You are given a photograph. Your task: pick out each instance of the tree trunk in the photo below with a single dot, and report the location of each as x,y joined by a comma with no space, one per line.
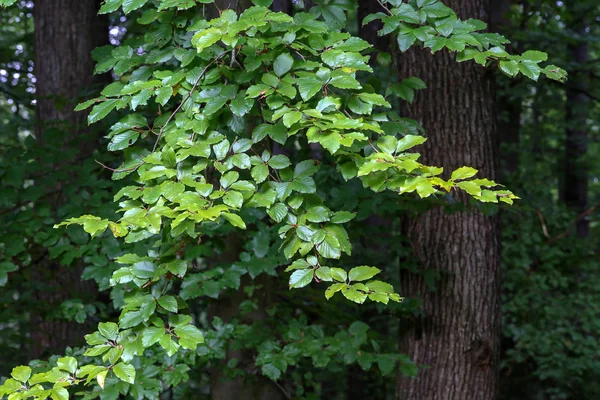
575,182
457,333
66,32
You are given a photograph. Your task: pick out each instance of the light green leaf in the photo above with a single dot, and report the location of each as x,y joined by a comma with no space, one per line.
535,56
354,295
301,278
463,173
59,393
234,220
206,38
21,373
151,335
333,289
125,372
339,274
189,336
233,199
408,142
362,273
291,118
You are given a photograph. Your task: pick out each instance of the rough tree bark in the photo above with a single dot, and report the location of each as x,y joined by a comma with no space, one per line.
66,32
458,333
574,191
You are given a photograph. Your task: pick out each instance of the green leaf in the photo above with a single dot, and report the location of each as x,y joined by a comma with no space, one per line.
21,373
68,364
278,212
535,56
110,6
282,64
318,214
151,335
130,5
406,41
271,371
233,199
206,38
85,104
227,179
301,278
123,140
189,336
386,364
260,172
279,161
169,303
339,274
362,273
125,372
530,69
330,247
308,87
510,68
291,118
354,295
234,220
463,173
408,142
163,94
333,289
59,393
109,330
101,110
341,217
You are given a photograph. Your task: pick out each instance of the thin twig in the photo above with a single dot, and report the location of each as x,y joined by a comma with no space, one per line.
384,7
286,394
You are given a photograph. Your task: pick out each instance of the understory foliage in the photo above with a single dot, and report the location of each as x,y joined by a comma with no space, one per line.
254,137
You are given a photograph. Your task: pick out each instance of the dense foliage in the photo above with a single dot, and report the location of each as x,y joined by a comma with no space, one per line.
219,189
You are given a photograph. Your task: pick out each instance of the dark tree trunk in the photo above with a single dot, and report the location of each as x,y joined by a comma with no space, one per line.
575,182
458,331
66,32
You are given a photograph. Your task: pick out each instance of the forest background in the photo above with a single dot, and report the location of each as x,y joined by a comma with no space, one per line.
537,257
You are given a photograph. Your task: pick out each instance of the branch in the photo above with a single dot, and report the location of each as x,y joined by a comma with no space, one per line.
162,130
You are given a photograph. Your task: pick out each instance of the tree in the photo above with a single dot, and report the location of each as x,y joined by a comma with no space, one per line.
457,333
200,103
575,182
64,31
